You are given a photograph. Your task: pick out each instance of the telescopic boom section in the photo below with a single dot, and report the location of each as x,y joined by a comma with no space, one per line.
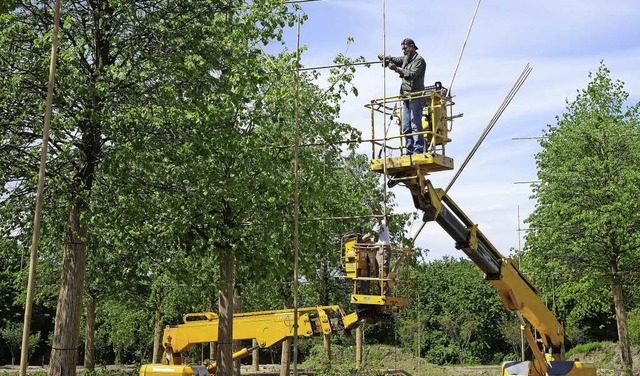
268,328
515,290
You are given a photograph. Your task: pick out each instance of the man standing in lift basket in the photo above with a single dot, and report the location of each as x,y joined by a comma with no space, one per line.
411,67
383,254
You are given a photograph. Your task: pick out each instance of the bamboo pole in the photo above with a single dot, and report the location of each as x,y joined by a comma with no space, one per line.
24,356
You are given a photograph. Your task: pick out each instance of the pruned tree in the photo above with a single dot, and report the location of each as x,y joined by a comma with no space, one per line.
171,151
128,72
586,221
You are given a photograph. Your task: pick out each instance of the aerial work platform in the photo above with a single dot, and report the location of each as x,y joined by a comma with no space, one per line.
380,273
388,148
424,163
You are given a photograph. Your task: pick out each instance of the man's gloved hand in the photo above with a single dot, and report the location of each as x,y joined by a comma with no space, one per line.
395,68
384,59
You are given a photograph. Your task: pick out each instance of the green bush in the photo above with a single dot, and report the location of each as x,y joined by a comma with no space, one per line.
633,323
585,348
442,354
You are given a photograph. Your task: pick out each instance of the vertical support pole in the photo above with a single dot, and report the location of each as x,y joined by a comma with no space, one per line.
255,356
384,109
373,130
326,345
237,308
296,209
359,341
24,355
522,356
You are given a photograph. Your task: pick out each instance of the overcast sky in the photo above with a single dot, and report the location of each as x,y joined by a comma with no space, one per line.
562,40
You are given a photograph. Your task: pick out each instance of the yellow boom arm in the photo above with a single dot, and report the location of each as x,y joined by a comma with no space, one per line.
268,328
515,290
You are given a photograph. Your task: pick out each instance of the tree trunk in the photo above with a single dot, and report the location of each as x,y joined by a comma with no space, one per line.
64,350
285,360
158,349
623,334
326,345
89,346
224,356
212,350
255,357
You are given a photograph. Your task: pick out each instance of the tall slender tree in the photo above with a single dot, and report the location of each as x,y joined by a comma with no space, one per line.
171,150
585,224
125,70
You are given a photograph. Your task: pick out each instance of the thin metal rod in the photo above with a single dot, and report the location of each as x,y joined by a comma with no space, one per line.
523,76
296,205
519,238
384,105
374,205
345,142
317,219
520,267
24,355
464,44
496,116
413,241
300,1
529,138
338,65
246,6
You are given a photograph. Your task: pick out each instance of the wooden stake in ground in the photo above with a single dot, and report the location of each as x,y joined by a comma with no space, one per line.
285,359
359,341
255,356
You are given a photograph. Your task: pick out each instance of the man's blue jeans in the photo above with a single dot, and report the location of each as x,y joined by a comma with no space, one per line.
412,123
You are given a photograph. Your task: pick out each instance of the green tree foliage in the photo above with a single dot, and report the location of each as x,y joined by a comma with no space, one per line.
512,334
126,329
585,224
6,5
634,326
33,342
172,147
11,333
13,281
455,315
12,258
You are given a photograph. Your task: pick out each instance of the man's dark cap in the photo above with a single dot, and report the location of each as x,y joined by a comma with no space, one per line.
409,41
